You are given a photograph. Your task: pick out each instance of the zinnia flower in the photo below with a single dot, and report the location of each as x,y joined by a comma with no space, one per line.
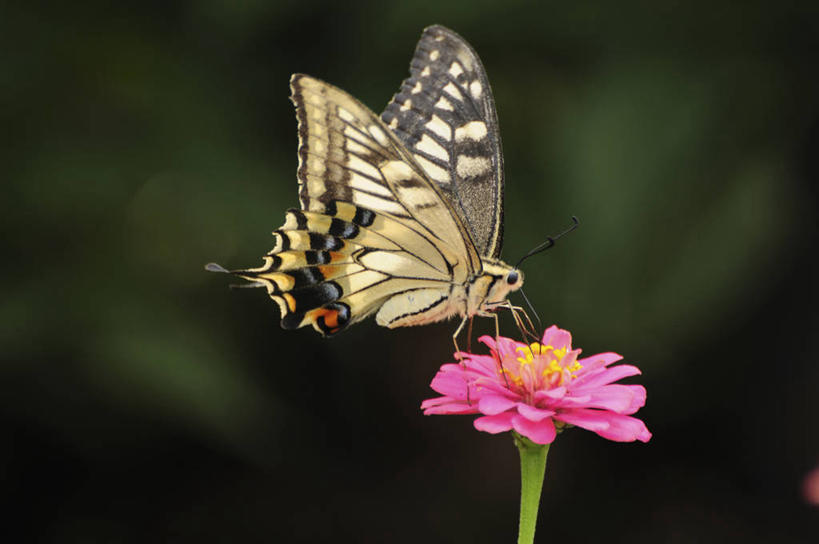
810,487
540,388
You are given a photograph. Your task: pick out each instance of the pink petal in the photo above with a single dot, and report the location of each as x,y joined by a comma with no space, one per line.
532,413
502,347
444,406
609,425
601,359
617,398
586,419
482,364
451,367
437,401
607,376
571,401
495,424
491,405
570,358
557,338
626,429
639,399
511,366
597,363
495,385
509,348
539,432
499,347
450,382
488,341
550,394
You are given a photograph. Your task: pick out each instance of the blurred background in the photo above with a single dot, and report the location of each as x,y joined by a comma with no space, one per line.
142,400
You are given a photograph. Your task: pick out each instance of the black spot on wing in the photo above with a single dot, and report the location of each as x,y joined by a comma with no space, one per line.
283,240
330,207
317,257
363,217
343,229
275,262
473,148
324,242
301,220
315,296
292,320
307,276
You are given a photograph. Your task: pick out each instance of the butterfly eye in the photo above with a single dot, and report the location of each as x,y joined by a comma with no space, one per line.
512,277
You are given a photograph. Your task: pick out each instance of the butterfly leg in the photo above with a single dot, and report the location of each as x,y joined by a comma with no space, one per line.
455,336
524,324
469,335
528,325
458,349
497,337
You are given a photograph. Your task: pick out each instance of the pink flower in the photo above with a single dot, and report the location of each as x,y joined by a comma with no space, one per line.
540,388
810,487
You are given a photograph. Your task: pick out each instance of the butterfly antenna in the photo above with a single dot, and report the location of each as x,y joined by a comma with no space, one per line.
528,303
550,241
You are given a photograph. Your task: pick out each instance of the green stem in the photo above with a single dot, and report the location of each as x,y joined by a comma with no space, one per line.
532,470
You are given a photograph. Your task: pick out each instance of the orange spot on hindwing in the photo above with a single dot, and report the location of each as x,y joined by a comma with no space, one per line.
331,318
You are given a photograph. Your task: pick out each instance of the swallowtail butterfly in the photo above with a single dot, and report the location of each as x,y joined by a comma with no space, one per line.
402,215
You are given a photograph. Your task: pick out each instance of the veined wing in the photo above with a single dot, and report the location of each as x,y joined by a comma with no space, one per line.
445,115
347,154
334,268
373,232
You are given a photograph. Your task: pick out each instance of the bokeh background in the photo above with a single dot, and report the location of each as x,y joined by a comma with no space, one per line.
142,400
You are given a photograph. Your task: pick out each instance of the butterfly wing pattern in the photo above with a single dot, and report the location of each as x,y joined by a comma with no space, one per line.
444,113
377,230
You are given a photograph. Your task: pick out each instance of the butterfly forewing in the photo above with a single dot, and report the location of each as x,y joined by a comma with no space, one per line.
347,154
444,114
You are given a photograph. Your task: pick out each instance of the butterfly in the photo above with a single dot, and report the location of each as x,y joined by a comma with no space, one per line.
402,215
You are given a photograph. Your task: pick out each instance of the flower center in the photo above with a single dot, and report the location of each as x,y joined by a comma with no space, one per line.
541,367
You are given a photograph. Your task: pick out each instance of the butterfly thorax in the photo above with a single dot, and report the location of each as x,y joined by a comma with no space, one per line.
488,289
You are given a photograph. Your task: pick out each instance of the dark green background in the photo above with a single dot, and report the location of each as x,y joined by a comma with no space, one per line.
143,401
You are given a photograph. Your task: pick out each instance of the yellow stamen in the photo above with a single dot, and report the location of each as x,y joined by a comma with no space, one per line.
545,358
528,357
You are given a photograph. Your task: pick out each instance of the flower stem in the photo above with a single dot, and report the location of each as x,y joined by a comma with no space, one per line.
532,470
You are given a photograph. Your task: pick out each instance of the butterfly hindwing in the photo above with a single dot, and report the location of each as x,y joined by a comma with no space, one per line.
330,271
444,113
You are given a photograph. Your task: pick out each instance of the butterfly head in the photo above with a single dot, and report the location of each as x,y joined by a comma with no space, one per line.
495,283
514,279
